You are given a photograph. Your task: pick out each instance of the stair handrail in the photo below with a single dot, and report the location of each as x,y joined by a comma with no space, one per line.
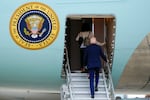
68,73
111,85
110,82
105,83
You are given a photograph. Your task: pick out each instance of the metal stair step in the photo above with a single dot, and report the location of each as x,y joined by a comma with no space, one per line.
83,79
86,89
85,86
78,96
88,92
84,83
81,74
90,99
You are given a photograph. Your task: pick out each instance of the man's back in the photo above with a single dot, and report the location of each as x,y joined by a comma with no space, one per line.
92,56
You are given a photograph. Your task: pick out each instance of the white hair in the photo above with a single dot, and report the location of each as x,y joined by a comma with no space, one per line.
93,40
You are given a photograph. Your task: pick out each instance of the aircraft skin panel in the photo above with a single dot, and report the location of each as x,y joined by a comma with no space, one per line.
28,69
24,68
38,69
135,76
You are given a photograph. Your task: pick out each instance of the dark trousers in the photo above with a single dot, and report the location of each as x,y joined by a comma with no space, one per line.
93,72
81,57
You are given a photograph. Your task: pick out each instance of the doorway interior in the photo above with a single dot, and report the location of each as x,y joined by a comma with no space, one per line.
103,27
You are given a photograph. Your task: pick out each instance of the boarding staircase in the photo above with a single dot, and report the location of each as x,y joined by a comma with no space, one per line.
77,85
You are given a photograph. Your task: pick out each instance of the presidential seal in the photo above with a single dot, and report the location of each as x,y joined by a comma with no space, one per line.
34,26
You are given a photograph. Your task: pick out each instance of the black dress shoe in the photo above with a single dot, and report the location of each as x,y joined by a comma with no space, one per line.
92,96
96,89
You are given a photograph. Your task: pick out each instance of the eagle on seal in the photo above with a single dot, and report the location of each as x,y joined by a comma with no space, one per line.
34,25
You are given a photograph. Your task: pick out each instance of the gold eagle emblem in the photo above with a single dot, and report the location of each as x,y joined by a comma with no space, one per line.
34,25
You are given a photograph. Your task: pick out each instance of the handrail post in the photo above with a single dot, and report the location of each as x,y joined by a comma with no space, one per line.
68,73
110,82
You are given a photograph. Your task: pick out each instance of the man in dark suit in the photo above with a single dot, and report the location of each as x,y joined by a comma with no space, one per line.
92,56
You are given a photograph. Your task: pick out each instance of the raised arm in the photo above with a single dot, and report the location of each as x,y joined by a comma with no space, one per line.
100,44
78,36
102,55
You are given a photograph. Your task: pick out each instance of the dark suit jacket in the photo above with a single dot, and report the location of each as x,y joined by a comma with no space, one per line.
92,56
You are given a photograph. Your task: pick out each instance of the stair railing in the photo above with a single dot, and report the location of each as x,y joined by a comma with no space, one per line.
105,83
109,79
110,83
68,74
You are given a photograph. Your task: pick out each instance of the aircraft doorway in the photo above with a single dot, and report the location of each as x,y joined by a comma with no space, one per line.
103,28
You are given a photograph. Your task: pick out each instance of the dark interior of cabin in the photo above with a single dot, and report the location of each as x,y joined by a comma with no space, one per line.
104,31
